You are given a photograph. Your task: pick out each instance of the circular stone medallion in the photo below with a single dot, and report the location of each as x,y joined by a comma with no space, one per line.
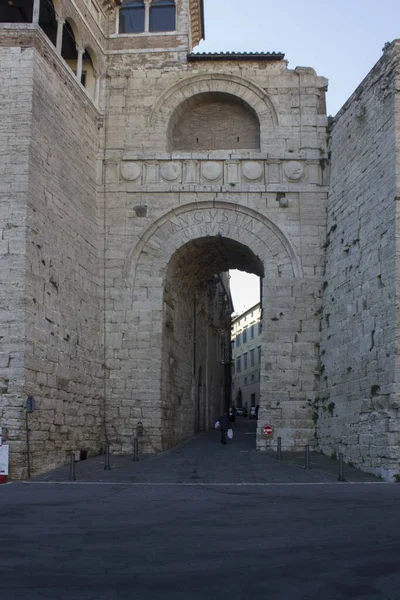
293,170
170,171
252,170
131,170
211,170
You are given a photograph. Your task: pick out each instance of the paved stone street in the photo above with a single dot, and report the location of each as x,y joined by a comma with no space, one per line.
205,460
183,525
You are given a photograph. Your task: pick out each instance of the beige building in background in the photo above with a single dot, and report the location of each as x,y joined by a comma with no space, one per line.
246,357
133,172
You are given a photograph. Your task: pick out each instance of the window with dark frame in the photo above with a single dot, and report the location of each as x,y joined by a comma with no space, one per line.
252,357
131,16
162,15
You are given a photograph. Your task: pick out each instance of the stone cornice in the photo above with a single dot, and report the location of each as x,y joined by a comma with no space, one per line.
196,8
109,5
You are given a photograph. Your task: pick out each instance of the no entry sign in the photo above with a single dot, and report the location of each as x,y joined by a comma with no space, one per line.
267,430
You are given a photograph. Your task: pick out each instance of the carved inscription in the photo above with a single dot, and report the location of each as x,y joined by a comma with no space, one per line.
208,222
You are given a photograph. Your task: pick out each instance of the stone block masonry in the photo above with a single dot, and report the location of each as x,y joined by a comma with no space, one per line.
357,411
121,211
51,326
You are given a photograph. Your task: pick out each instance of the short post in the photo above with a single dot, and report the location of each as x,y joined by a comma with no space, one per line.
72,467
107,458
307,457
279,449
341,476
135,449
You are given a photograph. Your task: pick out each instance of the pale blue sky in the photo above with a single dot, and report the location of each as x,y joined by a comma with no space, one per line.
340,39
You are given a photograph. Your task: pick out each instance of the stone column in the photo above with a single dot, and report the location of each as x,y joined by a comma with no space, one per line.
81,52
97,89
60,28
36,11
147,14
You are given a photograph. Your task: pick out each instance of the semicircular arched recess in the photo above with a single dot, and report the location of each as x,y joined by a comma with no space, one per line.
213,121
218,219
242,88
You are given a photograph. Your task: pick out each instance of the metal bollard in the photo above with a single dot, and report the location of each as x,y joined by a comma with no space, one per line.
107,458
135,449
307,457
341,476
279,449
72,467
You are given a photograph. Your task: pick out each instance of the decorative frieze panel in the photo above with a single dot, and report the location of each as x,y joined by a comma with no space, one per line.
210,172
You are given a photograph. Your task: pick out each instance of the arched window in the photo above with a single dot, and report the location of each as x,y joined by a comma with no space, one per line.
69,51
88,78
47,20
131,17
16,11
162,15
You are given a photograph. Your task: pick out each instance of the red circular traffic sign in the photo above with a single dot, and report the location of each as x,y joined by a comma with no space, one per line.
267,430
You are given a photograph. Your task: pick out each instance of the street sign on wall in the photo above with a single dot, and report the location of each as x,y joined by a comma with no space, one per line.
3,460
267,430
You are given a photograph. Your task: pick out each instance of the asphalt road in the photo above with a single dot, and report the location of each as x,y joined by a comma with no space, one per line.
203,521
278,542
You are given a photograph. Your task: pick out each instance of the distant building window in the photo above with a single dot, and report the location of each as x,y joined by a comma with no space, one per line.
259,328
259,353
244,335
252,357
245,380
131,17
162,15
252,377
233,344
238,340
245,361
252,332
239,364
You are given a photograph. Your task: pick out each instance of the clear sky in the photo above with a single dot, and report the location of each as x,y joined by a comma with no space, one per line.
340,39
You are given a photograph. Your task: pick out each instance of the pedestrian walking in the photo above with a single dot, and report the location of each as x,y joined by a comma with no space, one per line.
224,426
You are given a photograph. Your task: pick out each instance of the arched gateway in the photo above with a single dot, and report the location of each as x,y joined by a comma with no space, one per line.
118,306
168,285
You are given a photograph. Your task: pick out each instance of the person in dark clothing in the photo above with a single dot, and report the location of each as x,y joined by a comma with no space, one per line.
257,409
224,426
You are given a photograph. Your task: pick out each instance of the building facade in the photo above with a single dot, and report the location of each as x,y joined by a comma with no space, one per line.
246,357
134,171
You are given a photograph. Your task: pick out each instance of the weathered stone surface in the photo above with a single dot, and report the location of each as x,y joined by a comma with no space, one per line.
122,205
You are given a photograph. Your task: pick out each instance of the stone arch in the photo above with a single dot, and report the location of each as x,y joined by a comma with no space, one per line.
236,86
213,121
217,218
75,29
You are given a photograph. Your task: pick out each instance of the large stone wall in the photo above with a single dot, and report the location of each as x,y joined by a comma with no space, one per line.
54,277
271,203
16,75
357,412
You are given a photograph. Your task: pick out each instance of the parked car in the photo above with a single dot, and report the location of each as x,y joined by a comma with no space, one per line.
239,411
